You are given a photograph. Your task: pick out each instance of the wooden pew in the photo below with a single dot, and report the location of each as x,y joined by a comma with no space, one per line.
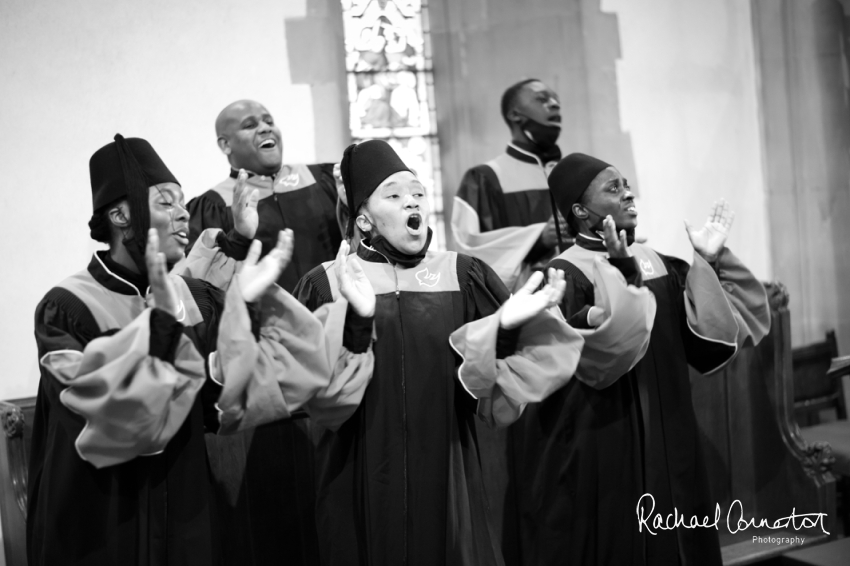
753,447
16,417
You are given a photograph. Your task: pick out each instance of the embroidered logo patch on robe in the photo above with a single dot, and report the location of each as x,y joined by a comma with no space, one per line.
426,278
646,267
290,180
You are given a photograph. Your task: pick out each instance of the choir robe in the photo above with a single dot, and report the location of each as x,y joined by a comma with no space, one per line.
304,199
300,197
500,211
586,455
400,480
118,470
271,510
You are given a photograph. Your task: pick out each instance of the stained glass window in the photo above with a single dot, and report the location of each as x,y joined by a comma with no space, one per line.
391,88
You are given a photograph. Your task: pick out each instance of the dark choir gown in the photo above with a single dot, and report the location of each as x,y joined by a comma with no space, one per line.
585,456
400,481
500,210
153,509
118,469
300,197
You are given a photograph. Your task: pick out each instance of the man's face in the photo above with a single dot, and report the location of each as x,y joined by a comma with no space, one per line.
170,218
608,194
539,103
251,138
398,211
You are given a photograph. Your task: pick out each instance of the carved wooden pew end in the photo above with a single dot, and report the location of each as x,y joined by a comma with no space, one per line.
16,417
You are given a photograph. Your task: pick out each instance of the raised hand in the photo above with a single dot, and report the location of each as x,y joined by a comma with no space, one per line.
255,279
244,207
162,288
525,304
353,283
710,239
617,245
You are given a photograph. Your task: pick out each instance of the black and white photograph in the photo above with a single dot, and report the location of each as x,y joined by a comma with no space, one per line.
425,283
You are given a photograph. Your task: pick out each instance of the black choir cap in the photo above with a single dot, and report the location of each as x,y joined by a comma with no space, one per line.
364,166
124,167
571,177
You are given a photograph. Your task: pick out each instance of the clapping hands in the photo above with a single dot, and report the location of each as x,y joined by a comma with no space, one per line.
244,207
162,288
353,283
525,304
255,278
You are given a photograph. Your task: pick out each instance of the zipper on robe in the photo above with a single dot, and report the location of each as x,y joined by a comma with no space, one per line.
403,408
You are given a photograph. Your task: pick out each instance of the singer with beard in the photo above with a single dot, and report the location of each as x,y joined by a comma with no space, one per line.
132,363
502,212
400,481
626,425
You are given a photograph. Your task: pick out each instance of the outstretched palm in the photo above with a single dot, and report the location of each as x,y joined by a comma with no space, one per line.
525,304
256,278
710,239
244,207
353,283
162,288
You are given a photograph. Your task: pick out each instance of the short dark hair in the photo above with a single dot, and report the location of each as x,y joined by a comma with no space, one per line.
510,95
100,228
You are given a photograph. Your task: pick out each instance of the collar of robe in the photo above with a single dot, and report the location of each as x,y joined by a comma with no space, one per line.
115,276
595,244
378,249
529,154
234,173
287,178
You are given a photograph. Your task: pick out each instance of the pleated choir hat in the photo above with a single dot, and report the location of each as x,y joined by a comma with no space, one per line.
124,166
364,166
571,177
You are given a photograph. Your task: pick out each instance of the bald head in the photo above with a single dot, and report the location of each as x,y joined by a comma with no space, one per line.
249,138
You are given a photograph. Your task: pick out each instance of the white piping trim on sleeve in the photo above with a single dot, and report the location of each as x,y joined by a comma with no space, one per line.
212,359
707,339
467,205
220,414
153,453
460,369
86,426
